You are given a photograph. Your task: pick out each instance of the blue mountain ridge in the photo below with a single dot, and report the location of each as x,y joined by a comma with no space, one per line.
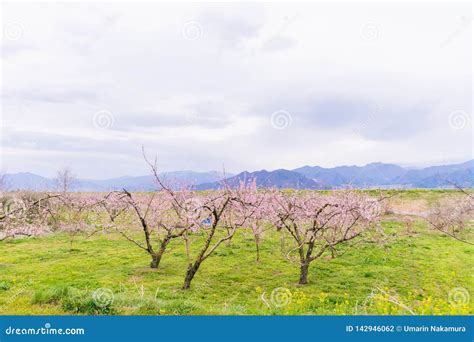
373,175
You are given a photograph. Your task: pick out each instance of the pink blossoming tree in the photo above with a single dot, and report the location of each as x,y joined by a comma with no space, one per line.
321,223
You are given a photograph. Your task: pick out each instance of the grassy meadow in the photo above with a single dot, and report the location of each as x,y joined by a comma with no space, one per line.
416,271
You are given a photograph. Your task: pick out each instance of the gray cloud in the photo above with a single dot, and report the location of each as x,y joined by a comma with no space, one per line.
234,23
370,118
204,103
154,119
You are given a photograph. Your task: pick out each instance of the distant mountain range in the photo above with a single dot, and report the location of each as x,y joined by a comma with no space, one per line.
282,179
374,175
30,181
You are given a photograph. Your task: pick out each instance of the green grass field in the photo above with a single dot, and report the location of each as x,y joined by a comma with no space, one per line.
421,273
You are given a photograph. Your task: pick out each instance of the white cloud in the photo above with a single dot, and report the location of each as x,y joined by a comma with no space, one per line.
203,102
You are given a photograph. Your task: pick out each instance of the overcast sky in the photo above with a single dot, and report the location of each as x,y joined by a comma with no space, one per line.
244,86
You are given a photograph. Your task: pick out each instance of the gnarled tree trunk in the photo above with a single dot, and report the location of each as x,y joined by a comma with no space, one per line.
304,267
156,257
155,260
190,273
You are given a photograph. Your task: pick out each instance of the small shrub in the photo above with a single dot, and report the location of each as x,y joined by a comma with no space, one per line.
51,295
73,300
4,285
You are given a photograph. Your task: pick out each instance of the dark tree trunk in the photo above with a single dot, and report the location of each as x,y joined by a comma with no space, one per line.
193,268
155,260
304,273
191,272
156,257
257,247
